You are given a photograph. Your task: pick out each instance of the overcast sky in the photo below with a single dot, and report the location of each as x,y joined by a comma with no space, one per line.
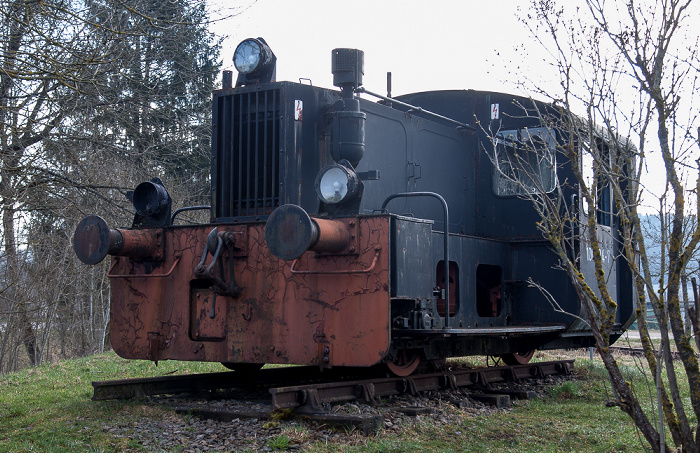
426,45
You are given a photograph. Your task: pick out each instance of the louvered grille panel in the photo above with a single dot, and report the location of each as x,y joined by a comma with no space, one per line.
247,154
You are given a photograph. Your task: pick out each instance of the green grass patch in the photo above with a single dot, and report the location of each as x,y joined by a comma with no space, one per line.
281,442
49,409
567,390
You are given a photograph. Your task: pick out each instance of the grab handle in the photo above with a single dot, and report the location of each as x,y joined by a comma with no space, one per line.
167,274
355,271
446,253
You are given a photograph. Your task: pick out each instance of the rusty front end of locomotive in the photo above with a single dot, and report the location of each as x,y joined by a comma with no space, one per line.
218,293
230,300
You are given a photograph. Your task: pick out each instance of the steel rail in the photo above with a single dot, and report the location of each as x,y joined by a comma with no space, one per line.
312,398
316,398
192,383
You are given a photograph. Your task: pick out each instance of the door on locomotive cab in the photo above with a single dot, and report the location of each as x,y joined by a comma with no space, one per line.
387,140
523,166
439,161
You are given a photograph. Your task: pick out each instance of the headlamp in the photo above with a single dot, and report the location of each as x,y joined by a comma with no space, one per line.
254,62
336,183
150,198
152,203
247,56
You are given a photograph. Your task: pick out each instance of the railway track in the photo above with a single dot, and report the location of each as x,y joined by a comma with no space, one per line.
317,391
206,382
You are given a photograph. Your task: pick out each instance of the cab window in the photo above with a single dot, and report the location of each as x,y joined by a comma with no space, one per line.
524,162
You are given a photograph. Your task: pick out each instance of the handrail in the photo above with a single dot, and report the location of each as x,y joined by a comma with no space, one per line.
355,271
167,274
415,108
187,208
446,255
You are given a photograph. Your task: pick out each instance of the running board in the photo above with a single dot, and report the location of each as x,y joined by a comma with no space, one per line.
483,331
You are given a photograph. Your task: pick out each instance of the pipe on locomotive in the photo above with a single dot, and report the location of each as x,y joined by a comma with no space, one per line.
94,240
290,232
445,244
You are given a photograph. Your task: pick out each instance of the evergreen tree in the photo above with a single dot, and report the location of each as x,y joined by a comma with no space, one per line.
95,96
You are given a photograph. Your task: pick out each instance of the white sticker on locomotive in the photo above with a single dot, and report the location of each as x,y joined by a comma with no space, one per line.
494,111
298,109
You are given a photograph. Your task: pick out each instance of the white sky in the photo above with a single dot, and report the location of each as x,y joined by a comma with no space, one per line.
427,45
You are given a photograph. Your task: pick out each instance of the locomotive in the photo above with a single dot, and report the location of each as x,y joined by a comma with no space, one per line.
346,231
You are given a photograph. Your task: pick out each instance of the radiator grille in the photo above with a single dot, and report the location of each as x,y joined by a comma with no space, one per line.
247,154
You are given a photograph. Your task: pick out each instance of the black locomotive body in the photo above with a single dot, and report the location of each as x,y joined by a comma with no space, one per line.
351,232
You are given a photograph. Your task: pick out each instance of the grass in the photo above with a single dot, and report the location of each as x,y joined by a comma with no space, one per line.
48,409
281,442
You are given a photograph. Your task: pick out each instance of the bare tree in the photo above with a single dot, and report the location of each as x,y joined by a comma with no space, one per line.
632,69
95,96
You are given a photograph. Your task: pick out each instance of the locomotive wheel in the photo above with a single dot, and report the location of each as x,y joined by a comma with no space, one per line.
518,358
405,364
243,368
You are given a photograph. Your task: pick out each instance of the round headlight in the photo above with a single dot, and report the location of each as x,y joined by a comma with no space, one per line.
149,199
247,56
334,183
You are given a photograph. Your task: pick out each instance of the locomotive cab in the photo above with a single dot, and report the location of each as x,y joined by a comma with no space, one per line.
349,232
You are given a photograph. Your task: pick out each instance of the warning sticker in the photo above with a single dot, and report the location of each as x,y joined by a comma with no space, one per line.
298,109
494,111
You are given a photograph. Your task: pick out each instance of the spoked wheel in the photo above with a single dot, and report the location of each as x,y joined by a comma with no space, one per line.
518,358
405,364
244,368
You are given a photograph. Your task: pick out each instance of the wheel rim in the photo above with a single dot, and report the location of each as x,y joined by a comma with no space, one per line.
405,364
518,358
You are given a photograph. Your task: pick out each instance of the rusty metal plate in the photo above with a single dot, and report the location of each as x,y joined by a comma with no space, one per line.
329,310
208,321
